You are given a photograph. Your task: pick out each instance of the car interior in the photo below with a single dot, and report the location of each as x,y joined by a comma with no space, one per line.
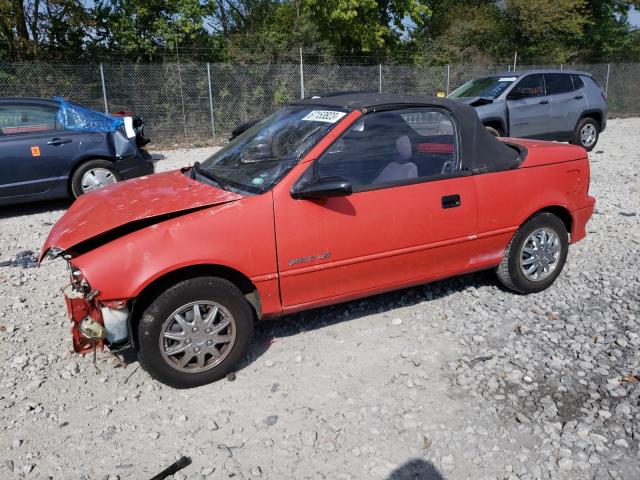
389,147
21,119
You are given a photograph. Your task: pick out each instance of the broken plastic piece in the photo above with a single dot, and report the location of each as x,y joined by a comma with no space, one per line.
173,468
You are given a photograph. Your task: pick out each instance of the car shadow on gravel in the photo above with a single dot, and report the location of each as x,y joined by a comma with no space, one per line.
416,469
270,331
21,210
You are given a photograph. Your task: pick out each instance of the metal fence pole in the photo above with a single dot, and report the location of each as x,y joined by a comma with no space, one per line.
104,90
213,122
184,115
301,76
606,84
448,77
380,78
561,67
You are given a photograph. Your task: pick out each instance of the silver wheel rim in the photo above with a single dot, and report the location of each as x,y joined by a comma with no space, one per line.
197,336
540,254
588,135
97,178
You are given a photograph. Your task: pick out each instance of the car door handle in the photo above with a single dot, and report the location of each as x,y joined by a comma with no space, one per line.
544,102
58,141
451,201
578,97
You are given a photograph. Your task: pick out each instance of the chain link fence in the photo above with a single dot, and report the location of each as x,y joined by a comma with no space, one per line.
196,104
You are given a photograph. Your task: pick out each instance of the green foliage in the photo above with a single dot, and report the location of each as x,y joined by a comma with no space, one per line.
327,31
364,25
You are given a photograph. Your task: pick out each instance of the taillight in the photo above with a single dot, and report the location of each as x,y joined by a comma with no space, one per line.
605,96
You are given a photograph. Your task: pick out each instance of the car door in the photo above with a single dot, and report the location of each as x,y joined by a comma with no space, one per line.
567,104
410,217
34,149
529,107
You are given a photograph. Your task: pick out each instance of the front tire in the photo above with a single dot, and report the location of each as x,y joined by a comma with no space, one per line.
92,175
493,131
195,332
586,134
536,254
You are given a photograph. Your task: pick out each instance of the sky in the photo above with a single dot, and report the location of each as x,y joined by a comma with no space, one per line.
634,17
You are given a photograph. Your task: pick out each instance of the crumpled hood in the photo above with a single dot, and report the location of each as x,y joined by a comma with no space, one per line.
130,202
475,101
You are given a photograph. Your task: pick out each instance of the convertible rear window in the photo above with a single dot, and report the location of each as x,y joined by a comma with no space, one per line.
261,156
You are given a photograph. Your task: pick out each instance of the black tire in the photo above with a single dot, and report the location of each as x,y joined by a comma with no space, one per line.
577,135
493,131
149,330
510,271
76,178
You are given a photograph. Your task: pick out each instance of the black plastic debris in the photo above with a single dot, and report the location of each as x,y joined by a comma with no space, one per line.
173,468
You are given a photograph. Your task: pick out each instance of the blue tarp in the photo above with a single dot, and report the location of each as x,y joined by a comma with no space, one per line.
76,117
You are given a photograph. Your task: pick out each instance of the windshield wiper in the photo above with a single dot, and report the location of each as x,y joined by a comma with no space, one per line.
210,176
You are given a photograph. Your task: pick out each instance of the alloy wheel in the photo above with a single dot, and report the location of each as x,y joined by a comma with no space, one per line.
588,135
197,336
540,254
97,178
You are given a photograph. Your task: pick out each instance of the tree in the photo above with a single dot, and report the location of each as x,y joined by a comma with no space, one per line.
355,26
144,28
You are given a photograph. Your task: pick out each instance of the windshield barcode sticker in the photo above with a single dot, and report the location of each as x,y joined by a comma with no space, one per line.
324,116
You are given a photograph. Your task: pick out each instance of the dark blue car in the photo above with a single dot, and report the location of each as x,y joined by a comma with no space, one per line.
55,149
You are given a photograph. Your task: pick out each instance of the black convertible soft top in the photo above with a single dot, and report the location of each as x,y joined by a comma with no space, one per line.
480,151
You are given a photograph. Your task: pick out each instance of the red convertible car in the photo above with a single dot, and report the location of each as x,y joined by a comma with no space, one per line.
329,199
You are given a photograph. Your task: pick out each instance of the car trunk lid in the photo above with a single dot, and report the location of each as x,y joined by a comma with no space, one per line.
541,152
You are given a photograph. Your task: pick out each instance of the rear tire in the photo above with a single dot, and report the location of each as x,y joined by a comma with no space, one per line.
89,174
183,344
586,134
528,249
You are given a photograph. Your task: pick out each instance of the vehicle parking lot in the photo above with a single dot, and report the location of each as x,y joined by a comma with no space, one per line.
452,380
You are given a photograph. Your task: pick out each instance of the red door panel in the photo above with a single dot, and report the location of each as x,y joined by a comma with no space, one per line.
340,246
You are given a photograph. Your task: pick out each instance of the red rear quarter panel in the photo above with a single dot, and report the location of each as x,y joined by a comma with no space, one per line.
552,175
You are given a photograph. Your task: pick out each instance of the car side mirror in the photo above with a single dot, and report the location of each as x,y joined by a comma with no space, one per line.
515,95
323,187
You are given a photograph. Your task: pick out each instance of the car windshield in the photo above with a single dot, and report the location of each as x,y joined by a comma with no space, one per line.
256,160
489,87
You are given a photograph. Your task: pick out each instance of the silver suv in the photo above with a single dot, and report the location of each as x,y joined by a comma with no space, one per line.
559,105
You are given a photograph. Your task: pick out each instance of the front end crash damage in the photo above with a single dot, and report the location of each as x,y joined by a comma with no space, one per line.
100,317
94,322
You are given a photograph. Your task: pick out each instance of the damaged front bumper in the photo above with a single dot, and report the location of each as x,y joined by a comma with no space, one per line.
95,323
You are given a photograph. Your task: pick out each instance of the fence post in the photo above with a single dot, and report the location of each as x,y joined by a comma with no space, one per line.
606,84
213,122
184,114
301,76
561,67
448,78
380,78
104,90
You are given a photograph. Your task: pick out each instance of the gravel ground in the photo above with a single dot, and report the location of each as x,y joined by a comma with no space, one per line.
454,380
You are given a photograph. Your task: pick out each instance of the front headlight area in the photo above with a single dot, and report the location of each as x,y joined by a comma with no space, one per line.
114,313
78,280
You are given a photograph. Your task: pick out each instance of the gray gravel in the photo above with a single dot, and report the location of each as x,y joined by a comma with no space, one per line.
457,380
